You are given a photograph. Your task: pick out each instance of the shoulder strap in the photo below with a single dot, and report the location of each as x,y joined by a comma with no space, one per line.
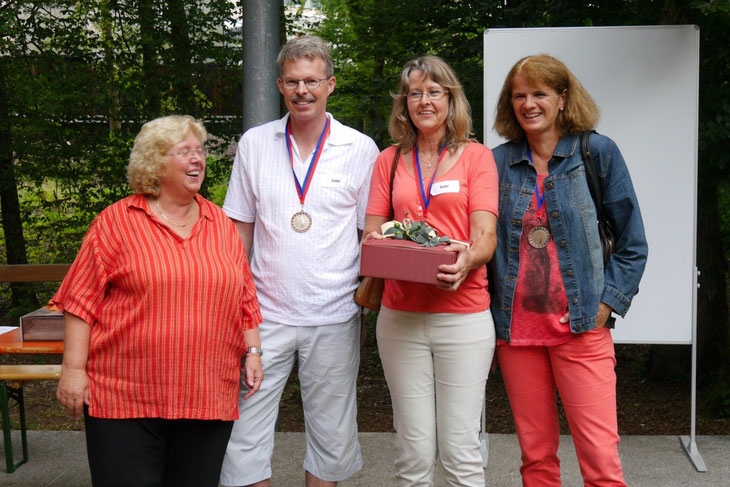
393,168
594,180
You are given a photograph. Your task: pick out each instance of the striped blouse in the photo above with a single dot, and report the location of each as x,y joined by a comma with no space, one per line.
167,314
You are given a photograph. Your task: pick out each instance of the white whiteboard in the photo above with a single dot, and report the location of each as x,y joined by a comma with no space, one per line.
645,80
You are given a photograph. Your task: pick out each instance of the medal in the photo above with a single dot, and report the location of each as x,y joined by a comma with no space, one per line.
301,221
539,237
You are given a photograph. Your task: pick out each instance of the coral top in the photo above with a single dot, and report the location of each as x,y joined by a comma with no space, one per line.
470,185
540,300
167,314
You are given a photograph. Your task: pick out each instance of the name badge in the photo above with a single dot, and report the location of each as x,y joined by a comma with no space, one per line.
442,187
333,181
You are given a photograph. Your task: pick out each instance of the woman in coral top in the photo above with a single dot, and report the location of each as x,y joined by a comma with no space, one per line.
553,293
436,342
160,309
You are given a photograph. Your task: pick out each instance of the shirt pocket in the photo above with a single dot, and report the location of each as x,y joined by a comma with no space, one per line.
576,187
509,195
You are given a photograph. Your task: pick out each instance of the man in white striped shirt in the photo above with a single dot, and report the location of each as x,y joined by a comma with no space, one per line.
297,194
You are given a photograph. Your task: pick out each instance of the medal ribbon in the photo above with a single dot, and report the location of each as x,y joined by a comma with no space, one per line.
425,198
302,189
539,198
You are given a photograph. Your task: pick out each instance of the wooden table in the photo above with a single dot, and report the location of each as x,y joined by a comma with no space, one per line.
11,342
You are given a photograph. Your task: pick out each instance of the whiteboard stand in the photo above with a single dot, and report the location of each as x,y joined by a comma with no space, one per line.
689,443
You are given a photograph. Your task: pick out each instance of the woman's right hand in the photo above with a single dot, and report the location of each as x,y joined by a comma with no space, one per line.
370,236
372,227
73,391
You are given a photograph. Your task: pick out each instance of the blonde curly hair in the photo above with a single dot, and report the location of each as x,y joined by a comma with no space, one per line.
147,160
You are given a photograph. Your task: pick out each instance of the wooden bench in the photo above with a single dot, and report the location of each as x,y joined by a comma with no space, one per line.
33,272
12,379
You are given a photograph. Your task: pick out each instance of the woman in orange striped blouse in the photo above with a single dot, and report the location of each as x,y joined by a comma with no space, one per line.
160,309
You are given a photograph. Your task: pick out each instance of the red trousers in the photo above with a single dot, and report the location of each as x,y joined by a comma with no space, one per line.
582,370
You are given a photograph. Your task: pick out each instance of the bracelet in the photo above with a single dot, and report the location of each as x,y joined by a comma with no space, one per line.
254,351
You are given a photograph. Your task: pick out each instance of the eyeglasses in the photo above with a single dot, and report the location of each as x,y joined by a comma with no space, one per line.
432,95
310,83
202,152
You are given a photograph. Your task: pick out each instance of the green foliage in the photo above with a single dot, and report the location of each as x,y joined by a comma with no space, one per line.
416,231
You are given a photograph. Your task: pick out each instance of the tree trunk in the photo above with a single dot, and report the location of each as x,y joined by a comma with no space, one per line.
151,102
9,201
107,39
181,67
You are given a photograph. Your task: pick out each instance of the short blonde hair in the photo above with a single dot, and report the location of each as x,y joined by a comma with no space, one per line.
580,112
308,46
147,160
458,121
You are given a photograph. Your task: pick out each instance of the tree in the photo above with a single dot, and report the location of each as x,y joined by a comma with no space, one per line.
77,80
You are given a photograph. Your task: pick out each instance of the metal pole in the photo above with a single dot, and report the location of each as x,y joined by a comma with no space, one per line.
689,443
260,47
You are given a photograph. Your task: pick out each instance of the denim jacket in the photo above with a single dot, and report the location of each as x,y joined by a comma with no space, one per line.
573,221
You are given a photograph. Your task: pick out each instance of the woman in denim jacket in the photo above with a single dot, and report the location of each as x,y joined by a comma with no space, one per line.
553,293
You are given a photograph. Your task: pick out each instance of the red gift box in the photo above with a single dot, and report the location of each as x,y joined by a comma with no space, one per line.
404,260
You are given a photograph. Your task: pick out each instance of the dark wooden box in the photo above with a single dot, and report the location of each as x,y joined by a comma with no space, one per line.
42,325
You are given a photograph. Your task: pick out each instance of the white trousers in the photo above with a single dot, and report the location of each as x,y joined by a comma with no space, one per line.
436,366
329,358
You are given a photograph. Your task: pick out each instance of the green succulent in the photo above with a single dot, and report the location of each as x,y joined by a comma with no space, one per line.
416,231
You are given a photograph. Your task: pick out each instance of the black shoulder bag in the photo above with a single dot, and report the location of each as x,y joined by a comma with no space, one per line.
605,229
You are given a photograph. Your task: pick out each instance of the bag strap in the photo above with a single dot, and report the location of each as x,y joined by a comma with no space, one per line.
393,168
594,181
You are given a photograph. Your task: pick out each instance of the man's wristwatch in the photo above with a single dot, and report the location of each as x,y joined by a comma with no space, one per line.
255,351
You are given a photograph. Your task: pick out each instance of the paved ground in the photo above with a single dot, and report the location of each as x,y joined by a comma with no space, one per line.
58,459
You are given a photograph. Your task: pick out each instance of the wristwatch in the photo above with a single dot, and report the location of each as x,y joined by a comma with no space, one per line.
255,351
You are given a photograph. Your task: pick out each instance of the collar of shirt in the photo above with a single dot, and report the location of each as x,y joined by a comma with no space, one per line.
567,145
336,136
139,201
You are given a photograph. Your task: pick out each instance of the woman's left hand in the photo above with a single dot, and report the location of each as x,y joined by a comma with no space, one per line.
254,374
604,311
454,274
483,232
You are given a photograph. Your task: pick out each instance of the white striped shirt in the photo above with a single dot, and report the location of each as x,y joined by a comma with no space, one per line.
303,279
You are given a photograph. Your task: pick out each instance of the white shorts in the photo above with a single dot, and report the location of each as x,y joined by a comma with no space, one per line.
329,358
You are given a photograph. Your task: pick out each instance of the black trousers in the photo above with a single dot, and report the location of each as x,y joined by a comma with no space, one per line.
154,452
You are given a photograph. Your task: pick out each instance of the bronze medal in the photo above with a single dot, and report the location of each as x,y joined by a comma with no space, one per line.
539,237
301,221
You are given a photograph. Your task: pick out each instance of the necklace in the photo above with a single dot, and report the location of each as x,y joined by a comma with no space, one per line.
162,213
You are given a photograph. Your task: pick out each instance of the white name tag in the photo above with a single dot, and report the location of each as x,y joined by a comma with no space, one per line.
333,181
442,187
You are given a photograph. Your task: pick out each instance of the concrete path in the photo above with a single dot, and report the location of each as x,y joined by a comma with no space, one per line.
58,459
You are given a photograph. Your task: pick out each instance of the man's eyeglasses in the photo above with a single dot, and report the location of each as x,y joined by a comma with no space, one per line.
310,83
432,95
202,152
